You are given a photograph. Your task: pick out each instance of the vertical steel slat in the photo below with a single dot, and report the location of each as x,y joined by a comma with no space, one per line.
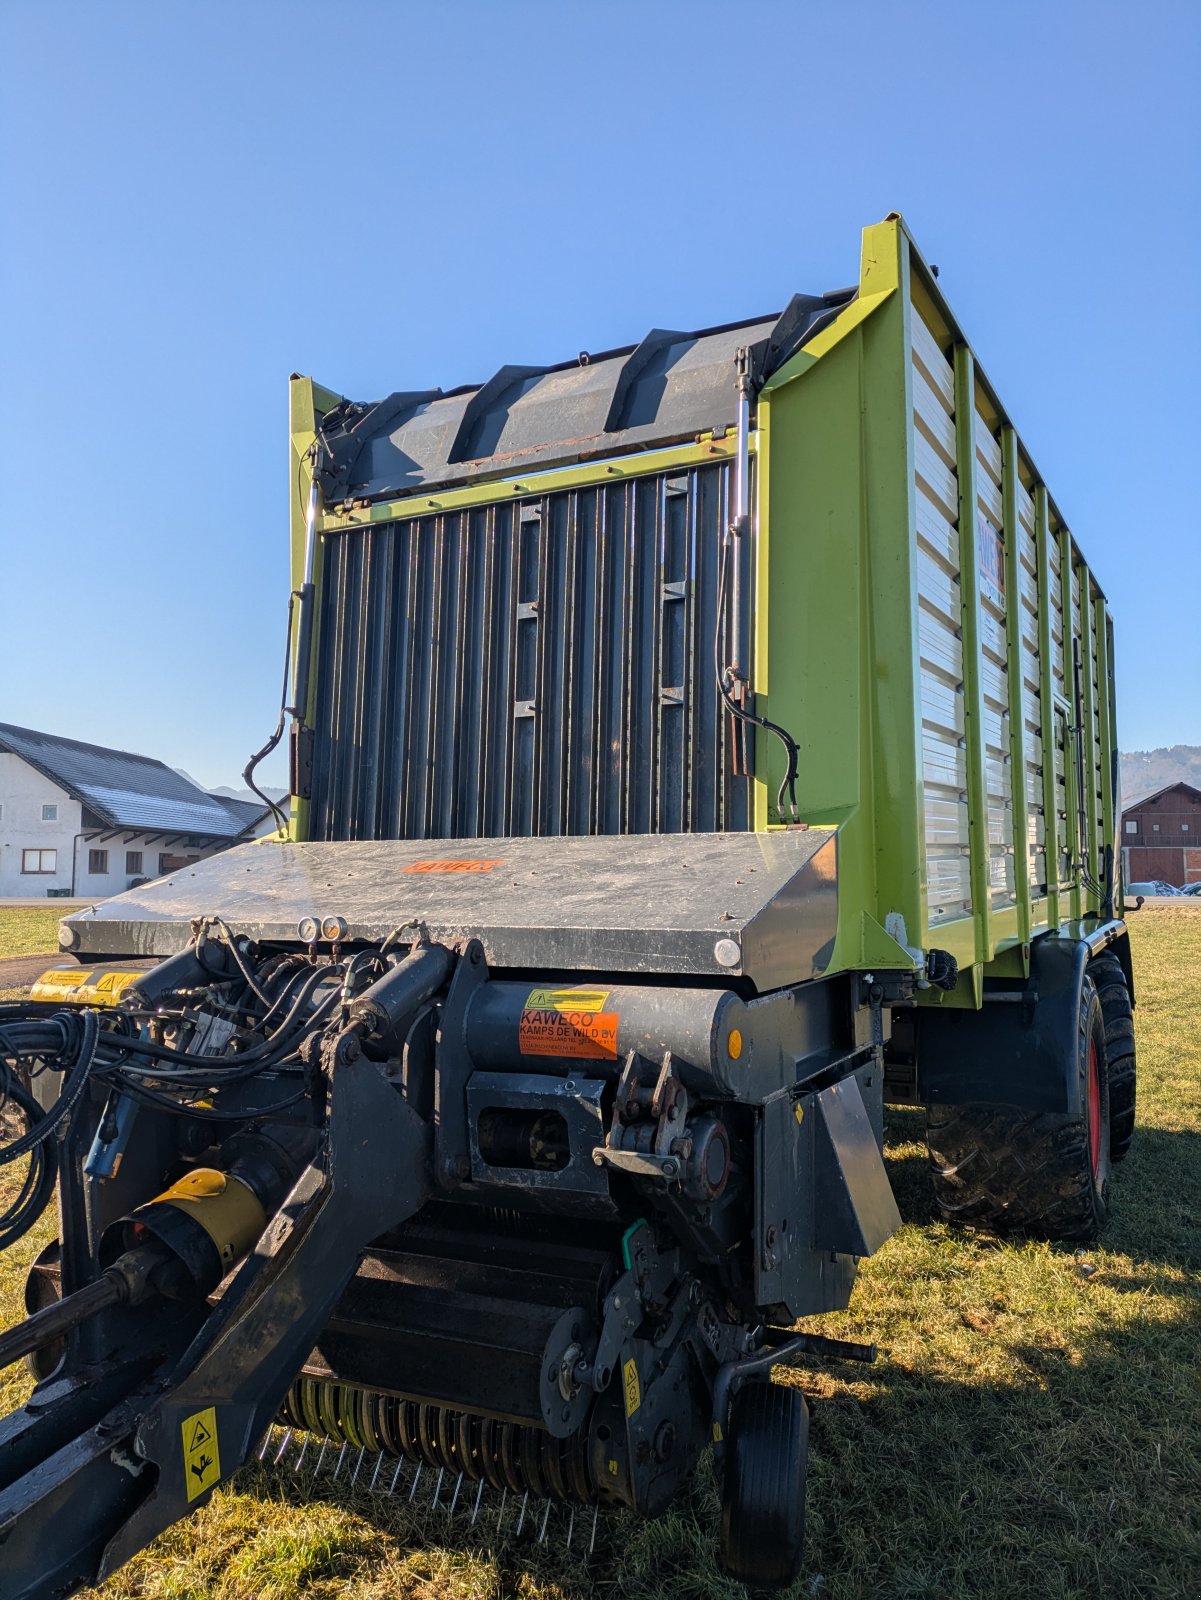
672,677
1067,580
375,708
392,822
644,678
1105,715
514,807
349,625
1088,745
973,676
581,697
331,695
1012,533
1046,675
629,594
706,752
602,633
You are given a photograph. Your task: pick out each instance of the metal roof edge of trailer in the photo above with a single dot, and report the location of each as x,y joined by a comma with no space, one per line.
669,388
604,389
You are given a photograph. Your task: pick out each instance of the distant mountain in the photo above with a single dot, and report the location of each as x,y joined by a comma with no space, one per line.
248,794
1143,772
232,794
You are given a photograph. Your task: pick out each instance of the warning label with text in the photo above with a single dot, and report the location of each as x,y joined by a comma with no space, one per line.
568,1022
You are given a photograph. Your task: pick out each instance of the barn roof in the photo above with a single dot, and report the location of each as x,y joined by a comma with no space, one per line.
1146,799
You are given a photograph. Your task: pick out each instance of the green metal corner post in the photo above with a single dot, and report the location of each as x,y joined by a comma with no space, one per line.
836,514
307,404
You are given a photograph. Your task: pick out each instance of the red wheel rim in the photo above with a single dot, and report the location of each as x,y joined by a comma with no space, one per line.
1094,1105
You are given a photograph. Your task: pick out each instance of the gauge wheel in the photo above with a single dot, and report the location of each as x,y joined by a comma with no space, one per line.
763,1485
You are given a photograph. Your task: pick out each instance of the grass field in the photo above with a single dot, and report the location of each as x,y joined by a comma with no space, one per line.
30,930
1032,1427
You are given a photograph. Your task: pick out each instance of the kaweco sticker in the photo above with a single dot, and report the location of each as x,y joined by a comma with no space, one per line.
201,1458
568,1022
452,866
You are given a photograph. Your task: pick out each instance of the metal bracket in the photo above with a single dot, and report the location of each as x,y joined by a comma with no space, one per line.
452,1068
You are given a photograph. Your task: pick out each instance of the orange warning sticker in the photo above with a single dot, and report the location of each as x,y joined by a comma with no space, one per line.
452,866
568,1022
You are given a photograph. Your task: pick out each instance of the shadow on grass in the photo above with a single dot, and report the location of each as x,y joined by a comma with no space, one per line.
1077,1475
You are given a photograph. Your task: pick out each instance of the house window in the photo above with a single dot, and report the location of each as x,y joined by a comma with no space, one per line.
98,861
1155,827
40,861
164,864
1184,827
133,861
1132,827
49,813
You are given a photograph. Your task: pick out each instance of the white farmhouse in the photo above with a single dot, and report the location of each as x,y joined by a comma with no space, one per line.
79,819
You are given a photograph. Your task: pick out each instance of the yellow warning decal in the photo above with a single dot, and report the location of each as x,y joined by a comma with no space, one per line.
568,1022
201,1457
83,987
566,999
633,1389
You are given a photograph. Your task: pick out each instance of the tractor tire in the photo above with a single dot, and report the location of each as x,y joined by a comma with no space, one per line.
1030,1172
762,1539
1106,972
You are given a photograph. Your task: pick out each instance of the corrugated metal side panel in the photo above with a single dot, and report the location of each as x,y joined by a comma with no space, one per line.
536,667
994,603
940,645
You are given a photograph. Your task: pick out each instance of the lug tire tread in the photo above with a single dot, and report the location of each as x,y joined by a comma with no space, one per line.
1107,974
1011,1170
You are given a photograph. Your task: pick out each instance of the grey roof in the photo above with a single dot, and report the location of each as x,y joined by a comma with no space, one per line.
249,811
668,387
1145,799
125,790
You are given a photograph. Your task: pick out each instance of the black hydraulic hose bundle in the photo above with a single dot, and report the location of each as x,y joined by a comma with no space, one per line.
110,1048
80,1038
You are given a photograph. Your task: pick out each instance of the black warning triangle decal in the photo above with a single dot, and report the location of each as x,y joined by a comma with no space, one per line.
200,1435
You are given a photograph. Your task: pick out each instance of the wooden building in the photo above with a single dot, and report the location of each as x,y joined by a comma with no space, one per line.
1161,836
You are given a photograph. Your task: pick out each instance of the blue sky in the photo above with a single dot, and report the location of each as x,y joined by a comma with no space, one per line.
199,199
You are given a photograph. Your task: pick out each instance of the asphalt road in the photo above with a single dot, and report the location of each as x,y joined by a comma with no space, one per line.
16,971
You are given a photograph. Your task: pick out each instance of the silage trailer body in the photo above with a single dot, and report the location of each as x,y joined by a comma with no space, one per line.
694,745
522,644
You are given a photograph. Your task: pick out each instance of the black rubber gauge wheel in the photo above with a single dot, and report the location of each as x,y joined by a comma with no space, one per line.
763,1486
